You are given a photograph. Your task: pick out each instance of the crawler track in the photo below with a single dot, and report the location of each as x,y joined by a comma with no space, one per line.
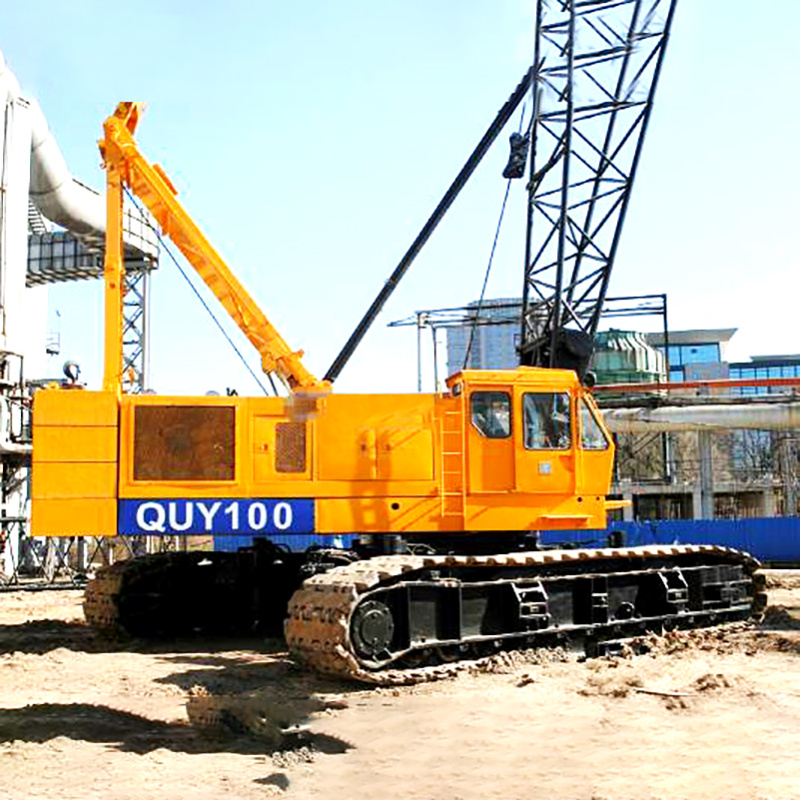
100,598
405,619
184,594
338,622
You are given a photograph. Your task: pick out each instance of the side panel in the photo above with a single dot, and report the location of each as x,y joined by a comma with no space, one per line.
378,437
73,516
405,449
348,444
351,463
74,484
365,463
54,441
281,448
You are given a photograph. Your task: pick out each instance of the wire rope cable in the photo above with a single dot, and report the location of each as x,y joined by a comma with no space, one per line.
474,326
162,243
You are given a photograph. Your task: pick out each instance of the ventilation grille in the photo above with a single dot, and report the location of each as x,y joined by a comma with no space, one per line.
184,443
290,447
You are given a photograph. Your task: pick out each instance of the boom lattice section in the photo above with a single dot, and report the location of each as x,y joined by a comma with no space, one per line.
596,67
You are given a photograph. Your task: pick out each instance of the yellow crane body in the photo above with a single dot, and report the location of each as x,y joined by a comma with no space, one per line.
477,458
126,165
444,492
508,450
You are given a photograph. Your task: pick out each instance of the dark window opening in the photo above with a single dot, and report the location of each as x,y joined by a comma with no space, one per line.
491,414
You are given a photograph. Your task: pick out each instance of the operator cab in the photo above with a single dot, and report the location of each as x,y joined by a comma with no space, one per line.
538,432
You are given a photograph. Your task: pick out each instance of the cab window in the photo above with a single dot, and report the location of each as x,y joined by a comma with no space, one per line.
593,437
547,421
491,414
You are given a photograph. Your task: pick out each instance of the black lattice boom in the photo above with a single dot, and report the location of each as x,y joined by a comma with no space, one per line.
596,68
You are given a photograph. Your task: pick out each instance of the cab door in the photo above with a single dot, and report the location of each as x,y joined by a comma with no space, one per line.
596,454
545,456
489,439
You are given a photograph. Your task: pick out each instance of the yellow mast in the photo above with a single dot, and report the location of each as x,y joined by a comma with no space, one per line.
125,164
114,275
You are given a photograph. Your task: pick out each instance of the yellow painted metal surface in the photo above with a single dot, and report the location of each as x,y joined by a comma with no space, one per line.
263,444
89,516
472,459
113,276
66,408
75,485
57,443
370,463
376,438
76,479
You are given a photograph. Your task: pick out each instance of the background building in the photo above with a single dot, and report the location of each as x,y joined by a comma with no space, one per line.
751,473
491,342
695,354
765,367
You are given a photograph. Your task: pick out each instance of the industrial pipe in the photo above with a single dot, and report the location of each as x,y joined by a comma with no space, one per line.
53,190
669,419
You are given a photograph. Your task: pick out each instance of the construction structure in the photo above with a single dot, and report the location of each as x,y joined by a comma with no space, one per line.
469,476
486,333
742,464
51,230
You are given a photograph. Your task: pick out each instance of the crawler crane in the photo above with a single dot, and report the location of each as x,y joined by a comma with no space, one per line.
445,491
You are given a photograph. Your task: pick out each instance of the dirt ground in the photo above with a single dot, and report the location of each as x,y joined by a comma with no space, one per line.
711,714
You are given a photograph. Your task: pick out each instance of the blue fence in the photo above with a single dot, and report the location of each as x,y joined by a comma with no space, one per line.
773,539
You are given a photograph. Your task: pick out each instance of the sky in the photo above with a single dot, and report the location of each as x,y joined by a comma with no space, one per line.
312,140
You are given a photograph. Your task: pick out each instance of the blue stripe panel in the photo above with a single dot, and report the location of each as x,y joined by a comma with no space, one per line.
297,543
257,516
773,539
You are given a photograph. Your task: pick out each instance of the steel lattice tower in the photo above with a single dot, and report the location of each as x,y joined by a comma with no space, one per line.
139,263
596,66
135,315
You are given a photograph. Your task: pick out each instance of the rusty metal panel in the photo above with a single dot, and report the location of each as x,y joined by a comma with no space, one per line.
290,447
184,443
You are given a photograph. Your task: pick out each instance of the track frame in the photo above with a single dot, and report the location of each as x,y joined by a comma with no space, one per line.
397,618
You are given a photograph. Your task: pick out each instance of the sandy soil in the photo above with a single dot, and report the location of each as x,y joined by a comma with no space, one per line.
714,714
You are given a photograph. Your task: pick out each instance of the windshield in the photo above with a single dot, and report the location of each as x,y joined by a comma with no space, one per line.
547,421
